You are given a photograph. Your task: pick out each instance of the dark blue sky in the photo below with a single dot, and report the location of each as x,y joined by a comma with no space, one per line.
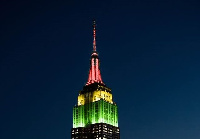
149,51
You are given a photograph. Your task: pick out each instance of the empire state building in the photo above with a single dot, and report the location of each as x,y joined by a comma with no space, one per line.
95,116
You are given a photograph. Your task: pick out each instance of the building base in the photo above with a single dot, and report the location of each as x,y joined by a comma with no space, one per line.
96,131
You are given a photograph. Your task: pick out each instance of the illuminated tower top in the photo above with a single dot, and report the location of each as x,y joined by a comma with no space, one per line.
94,72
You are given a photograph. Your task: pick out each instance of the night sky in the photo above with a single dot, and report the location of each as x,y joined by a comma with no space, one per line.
149,52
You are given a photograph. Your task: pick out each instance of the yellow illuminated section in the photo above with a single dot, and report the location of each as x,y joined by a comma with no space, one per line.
81,100
94,96
97,95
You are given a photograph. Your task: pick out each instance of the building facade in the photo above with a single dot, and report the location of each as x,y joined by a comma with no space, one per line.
96,114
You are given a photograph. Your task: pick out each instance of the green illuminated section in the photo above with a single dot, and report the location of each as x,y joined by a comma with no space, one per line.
95,112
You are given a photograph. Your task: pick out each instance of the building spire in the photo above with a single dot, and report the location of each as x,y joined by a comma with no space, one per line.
94,72
94,36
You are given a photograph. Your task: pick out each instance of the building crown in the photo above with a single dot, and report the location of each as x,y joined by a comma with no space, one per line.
94,72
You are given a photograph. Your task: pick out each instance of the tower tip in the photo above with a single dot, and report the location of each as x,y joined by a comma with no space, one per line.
94,36
94,22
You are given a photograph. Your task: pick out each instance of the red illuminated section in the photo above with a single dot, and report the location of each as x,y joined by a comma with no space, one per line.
94,73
